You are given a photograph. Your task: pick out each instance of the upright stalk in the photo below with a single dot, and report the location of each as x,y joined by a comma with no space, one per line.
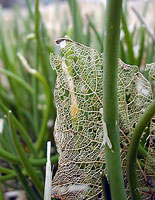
41,49
110,102
77,21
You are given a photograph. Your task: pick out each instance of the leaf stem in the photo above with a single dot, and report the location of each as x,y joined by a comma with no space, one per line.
133,148
110,102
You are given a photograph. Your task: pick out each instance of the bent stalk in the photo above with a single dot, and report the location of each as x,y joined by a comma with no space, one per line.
133,149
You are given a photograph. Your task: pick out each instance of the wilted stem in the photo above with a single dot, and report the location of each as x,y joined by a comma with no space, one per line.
110,102
133,148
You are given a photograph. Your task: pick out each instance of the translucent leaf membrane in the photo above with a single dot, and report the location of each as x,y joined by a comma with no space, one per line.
151,69
79,132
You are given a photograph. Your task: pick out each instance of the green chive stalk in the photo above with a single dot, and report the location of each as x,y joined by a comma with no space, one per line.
110,102
141,50
22,155
34,162
105,188
35,84
22,131
49,100
133,149
7,177
29,191
6,170
128,40
1,192
9,157
78,35
100,42
41,49
17,78
29,8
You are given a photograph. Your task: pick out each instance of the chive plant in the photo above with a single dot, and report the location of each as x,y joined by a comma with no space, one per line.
26,129
110,102
27,86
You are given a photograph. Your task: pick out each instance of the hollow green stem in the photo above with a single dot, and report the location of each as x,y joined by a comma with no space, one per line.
30,193
142,152
49,100
18,79
1,192
128,40
9,157
35,96
25,136
110,102
5,98
133,148
41,49
22,131
29,8
42,162
7,177
122,52
96,33
141,50
105,188
150,32
35,162
77,22
6,170
24,160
